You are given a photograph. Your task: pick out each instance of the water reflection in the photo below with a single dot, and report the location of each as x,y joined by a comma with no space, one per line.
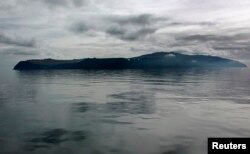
54,137
177,149
126,102
122,111
84,106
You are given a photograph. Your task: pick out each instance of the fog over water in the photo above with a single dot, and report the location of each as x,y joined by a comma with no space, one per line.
122,111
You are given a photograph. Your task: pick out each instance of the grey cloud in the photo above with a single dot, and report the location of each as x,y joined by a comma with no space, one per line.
204,23
236,45
242,52
128,28
213,37
117,31
233,46
5,7
79,2
111,21
17,41
64,3
79,27
143,19
129,34
204,38
53,3
245,48
139,34
19,51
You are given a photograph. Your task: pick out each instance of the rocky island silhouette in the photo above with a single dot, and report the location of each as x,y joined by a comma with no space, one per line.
158,60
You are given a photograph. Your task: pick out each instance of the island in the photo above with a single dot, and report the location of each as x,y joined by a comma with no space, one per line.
158,60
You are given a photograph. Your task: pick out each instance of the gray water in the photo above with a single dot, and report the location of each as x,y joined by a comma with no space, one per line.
121,112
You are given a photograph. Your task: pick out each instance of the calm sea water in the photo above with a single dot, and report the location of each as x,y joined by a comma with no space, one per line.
121,112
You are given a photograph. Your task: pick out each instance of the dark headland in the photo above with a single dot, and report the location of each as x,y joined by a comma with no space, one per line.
156,60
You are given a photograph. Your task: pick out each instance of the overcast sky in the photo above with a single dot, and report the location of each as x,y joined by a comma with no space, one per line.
113,28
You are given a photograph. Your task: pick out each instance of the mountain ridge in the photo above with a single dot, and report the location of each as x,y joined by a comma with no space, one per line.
152,60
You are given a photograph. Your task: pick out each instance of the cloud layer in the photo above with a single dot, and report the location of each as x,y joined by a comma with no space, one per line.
82,28
17,41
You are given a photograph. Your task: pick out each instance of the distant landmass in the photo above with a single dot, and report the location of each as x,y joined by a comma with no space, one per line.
156,60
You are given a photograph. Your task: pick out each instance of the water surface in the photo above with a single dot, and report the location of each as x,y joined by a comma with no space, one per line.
122,111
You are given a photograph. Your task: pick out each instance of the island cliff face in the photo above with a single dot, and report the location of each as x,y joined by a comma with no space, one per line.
156,60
